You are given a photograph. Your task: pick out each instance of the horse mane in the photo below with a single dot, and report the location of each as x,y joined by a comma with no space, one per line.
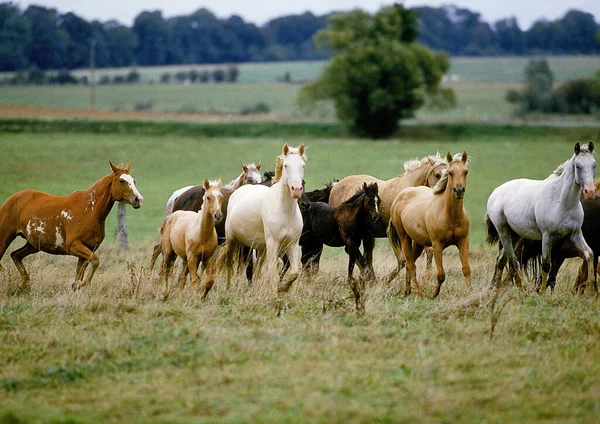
415,163
443,182
279,164
359,192
561,168
597,184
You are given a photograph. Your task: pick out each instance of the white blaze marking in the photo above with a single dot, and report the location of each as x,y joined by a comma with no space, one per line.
129,179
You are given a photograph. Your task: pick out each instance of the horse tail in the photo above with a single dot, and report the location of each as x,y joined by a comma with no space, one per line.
492,236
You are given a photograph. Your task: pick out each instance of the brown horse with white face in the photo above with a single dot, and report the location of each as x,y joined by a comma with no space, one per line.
421,216
65,225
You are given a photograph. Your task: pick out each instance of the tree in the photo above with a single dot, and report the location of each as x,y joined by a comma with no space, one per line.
378,73
15,35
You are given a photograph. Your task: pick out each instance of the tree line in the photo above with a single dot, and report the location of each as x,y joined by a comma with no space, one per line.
43,38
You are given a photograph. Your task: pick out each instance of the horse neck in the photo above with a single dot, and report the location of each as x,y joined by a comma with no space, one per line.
98,198
453,207
415,178
570,193
237,183
205,222
283,192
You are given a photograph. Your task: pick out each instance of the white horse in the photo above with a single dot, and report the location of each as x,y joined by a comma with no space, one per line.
548,210
250,175
268,219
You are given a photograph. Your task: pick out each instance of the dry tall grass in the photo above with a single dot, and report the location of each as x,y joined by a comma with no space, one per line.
113,352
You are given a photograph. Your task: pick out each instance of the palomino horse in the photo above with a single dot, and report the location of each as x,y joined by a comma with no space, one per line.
417,172
192,237
65,225
548,210
531,250
268,219
436,217
190,198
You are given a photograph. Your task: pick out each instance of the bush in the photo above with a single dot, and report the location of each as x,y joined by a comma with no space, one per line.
104,80
64,78
204,76
232,74
165,78
218,75
580,96
513,96
143,105
133,77
260,107
118,79
181,77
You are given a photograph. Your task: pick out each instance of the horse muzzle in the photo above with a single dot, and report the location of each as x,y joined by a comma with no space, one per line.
137,202
589,192
218,217
376,217
459,192
296,191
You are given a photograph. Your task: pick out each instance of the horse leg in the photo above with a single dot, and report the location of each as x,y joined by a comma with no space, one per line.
357,285
368,247
441,275
293,253
81,267
230,247
579,242
209,266
463,252
17,257
396,245
5,240
156,251
411,269
499,268
181,280
83,252
169,257
546,261
192,261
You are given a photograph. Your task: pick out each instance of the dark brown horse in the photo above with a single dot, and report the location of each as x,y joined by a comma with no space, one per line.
65,225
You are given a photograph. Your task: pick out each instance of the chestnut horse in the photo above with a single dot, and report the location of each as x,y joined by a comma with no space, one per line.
426,171
65,225
192,237
190,198
436,217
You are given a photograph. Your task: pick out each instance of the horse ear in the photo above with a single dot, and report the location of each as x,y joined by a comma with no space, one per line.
301,149
285,149
577,148
219,183
128,167
591,146
375,187
206,184
464,156
365,187
113,167
244,167
431,161
448,157
259,164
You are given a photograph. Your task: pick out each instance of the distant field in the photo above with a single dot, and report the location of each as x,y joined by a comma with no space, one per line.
480,85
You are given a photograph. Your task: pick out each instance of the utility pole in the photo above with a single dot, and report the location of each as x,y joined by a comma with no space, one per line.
93,73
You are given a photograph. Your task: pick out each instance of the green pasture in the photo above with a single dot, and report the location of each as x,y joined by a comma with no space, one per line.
113,352
62,162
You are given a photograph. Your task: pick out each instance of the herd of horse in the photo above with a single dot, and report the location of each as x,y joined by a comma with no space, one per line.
259,222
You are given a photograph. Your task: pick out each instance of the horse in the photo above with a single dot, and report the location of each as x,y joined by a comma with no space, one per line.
341,226
268,219
192,236
190,198
426,171
531,250
65,225
549,210
423,216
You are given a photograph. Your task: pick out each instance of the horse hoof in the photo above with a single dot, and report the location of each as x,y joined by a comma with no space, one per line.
77,285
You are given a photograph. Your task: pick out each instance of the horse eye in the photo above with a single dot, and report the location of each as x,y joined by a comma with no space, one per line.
466,172
438,175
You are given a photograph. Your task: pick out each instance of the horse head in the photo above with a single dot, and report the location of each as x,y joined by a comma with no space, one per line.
123,187
584,167
213,198
457,173
372,201
436,170
292,169
251,174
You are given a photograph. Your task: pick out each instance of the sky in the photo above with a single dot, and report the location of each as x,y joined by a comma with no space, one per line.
259,12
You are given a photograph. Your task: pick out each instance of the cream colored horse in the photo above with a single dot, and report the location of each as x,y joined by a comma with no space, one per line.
192,237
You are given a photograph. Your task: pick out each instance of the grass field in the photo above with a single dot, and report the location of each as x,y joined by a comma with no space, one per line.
111,352
480,85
